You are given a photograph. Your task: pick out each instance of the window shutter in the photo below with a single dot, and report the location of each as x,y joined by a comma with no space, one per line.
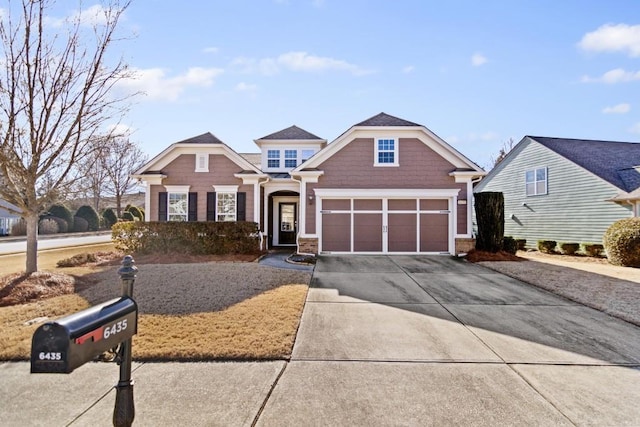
211,206
162,206
241,206
193,207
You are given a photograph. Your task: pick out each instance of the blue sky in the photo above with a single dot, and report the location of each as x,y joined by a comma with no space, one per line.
474,72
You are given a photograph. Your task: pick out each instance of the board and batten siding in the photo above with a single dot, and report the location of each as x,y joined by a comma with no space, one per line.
575,208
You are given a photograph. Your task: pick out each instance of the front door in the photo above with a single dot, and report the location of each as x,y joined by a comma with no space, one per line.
287,224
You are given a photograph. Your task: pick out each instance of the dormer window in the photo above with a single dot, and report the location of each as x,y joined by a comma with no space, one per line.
290,158
306,155
273,159
386,152
202,162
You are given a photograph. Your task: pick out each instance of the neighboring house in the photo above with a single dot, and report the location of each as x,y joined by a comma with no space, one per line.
567,190
386,185
7,218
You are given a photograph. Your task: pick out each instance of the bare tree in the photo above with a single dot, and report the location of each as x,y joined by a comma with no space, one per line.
121,159
93,181
504,150
55,94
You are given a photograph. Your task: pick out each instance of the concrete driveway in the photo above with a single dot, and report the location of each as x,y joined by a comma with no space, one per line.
415,340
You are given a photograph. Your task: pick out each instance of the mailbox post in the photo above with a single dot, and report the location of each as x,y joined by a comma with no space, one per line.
124,410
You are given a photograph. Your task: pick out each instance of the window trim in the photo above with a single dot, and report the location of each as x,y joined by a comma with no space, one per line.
536,181
377,151
205,158
275,159
226,190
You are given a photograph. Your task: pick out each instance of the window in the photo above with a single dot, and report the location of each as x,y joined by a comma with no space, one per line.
386,152
306,155
536,181
226,206
273,158
202,162
290,158
178,207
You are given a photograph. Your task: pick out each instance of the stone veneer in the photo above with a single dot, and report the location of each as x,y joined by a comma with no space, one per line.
464,245
308,246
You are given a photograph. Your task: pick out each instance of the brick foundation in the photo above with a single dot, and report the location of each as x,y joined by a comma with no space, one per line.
308,246
464,245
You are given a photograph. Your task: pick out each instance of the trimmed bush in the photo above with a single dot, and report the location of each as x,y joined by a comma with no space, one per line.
80,225
63,226
622,242
197,238
61,211
19,228
128,216
569,248
110,217
47,226
509,245
135,211
547,246
593,249
522,244
90,215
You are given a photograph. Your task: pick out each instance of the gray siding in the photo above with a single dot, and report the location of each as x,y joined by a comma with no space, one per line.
575,208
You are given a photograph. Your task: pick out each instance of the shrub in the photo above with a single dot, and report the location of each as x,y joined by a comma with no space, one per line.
622,242
593,249
522,244
135,211
19,228
47,226
110,217
547,246
63,226
489,207
509,245
128,216
80,225
90,215
569,248
61,211
77,260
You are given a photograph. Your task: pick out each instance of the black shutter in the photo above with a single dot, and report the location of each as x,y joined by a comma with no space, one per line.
193,206
211,206
162,206
241,207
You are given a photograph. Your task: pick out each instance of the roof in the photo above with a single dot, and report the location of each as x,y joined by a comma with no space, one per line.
384,119
253,158
612,161
205,138
293,133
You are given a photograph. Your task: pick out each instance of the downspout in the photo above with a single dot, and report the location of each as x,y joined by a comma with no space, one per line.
264,222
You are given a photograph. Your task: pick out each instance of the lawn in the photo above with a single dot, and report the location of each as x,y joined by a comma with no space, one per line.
187,311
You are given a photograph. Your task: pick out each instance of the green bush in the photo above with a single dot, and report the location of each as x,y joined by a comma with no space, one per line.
47,226
622,242
90,215
63,226
522,244
197,238
61,211
593,249
19,228
547,246
128,216
569,248
110,217
135,211
509,245
80,225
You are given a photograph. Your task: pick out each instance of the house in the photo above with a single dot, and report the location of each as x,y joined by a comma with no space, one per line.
386,185
567,190
8,217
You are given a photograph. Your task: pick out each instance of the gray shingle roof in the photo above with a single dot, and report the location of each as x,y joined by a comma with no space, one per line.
293,132
612,161
384,119
205,138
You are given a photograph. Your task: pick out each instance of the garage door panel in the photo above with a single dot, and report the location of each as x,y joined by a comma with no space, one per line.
434,204
367,232
434,232
402,204
402,232
336,232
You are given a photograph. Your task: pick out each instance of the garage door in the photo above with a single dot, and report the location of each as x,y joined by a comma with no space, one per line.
386,225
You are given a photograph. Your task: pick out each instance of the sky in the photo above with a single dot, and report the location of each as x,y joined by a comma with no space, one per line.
476,73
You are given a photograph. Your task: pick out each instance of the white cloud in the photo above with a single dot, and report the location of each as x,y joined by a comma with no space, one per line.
155,83
246,87
211,49
617,109
635,128
617,75
613,38
92,16
297,62
478,59
408,69
120,129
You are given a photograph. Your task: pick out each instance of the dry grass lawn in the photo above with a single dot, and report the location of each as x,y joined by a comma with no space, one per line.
187,311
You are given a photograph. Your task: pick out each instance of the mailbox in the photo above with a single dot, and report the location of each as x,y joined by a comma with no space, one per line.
63,345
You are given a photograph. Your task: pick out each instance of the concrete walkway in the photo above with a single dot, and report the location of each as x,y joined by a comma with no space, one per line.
405,340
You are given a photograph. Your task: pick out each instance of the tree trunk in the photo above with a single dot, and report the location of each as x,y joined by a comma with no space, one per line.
119,204
490,218
32,243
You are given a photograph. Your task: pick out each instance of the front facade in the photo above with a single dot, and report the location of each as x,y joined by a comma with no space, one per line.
8,217
386,185
567,190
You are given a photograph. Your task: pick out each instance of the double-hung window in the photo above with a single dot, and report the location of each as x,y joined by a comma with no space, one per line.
386,153
178,206
290,158
273,158
536,181
226,202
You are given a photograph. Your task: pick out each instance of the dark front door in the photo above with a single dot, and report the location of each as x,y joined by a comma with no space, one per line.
288,224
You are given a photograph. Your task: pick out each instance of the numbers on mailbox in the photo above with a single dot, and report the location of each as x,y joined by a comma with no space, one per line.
116,328
50,355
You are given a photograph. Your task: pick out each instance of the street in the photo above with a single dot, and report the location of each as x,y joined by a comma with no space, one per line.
48,242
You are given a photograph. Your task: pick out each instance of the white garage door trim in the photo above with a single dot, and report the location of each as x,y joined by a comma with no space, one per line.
450,195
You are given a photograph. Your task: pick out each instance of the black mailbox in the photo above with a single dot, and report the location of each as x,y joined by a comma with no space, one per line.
67,343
